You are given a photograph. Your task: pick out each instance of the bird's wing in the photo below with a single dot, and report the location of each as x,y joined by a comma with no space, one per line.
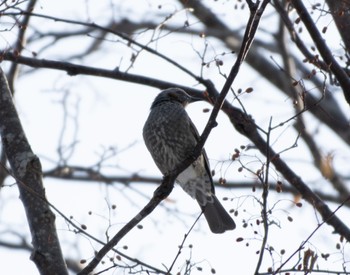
204,154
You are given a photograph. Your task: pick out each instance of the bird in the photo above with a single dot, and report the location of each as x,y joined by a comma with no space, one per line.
170,137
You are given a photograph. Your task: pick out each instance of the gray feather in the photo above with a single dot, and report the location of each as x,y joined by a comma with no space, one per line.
170,136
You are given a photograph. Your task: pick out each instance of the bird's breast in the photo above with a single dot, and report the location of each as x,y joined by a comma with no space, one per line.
168,136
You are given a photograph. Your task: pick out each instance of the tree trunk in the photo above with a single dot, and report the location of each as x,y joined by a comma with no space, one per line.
26,169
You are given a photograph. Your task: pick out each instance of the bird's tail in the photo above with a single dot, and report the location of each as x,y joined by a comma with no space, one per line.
218,219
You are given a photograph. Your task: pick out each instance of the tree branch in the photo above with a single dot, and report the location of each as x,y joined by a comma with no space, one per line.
75,69
341,15
325,52
20,43
245,125
108,30
327,110
160,194
168,181
26,169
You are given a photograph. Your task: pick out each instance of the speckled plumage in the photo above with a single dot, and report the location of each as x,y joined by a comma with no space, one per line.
170,137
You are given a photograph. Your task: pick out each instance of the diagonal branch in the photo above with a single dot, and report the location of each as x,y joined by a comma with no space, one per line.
327,111
26,168
322,47
290,68
302,245
245,125
248,37
341,15
168,181
160,194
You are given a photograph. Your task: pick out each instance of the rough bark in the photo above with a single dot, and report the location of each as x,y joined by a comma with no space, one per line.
26,169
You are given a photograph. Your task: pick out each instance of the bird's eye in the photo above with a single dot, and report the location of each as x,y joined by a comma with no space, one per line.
174,96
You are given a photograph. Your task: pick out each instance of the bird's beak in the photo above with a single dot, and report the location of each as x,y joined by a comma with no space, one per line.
194,99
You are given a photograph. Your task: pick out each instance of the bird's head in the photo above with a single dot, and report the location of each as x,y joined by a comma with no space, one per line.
174,95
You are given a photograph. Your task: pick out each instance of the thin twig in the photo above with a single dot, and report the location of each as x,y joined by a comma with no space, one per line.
182,244
309,237
323,49
109,30
252,26
77,227
167,184
264,211
160,194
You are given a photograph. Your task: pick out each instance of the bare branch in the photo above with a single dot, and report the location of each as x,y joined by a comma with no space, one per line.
26,168
119,34
264,178
308,238
160,194
20,43
74,69
298,94
325,52
327,111
168,182
341,16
